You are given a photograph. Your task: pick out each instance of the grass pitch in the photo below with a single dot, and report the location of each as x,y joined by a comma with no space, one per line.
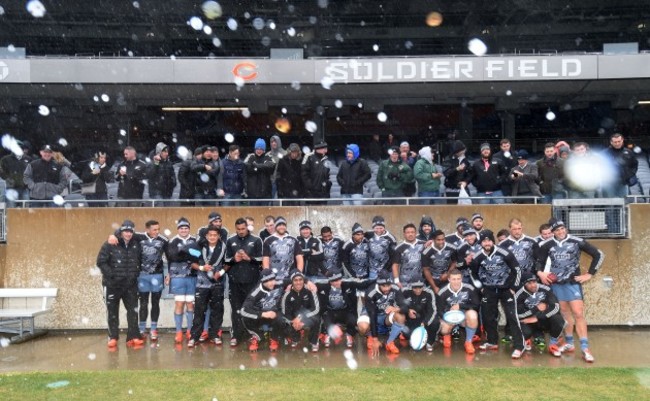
332,384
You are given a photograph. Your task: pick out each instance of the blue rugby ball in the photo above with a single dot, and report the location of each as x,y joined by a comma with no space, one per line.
418,338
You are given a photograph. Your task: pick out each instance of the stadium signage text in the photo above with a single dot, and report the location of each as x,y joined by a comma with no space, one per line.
455,69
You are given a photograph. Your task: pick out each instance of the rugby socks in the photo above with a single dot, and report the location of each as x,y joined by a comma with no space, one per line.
154,326
142,326
395,329
189,315
469,334
206,322
584,344
553,340
568,339
178,321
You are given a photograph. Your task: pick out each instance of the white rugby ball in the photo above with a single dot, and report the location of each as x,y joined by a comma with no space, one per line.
418,338
454,316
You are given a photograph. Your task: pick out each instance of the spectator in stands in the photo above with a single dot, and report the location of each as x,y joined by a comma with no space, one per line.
233,176
162,178
524,178
374,149
509,160
409,157
288,175
428,177
393,176
551,174
99,173
45,178
626,166
456,171
276,153
186,177
353,173
130,174
487,174
388,145
259,171
316,173
12,170
206,173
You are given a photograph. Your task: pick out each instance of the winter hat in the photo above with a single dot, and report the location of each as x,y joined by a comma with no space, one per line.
527,276
427,220
305,224
127,225
260,144
555,223
356,228
476,216
214,216
46,148
461,221
160,146
297,273
378,221
354,149
183,222
294,147
320,145
486,234
384,277
457,147
334,275
276,139
417,283
522,154
485,145
267,275
280,221
426,154
467,230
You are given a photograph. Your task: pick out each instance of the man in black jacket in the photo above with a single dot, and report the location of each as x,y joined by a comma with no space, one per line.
45,178
120,267
288,175
487,174
353,173
244,256
261,310
456,170
12,169
162,178
260,168
130,174
316,174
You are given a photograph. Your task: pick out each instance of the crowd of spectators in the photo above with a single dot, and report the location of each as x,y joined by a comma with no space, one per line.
392,173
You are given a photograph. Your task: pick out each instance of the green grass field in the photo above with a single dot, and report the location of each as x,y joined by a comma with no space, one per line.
334,384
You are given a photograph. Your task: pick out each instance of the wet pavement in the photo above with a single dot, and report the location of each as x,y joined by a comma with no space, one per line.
87,351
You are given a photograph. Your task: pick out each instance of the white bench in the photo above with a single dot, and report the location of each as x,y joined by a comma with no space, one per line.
19,307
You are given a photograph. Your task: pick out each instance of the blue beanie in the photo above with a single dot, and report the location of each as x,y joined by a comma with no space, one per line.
354,149
260,144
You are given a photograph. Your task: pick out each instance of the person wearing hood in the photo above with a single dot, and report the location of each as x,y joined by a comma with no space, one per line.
260,168
456,171
288,175
233,176
277,153
186,177
428,177
161,174
352,175
427,228
393,176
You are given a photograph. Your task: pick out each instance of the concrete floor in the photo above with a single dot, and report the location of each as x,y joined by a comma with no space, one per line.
87,351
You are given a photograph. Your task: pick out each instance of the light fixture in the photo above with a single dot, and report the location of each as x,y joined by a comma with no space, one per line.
643,102
212,108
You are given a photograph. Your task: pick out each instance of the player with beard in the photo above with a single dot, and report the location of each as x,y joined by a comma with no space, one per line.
387,310
262,309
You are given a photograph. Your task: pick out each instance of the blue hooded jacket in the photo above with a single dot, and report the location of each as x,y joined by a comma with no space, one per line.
355,152
353,174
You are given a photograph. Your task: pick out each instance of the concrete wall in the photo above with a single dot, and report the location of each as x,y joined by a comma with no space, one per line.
58,248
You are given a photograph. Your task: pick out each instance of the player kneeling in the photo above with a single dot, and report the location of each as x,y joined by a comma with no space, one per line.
387,311
539,310
458,304
422,311
300,307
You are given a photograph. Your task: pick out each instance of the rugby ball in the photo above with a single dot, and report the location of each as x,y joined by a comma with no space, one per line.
454,316
335,332
418,338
